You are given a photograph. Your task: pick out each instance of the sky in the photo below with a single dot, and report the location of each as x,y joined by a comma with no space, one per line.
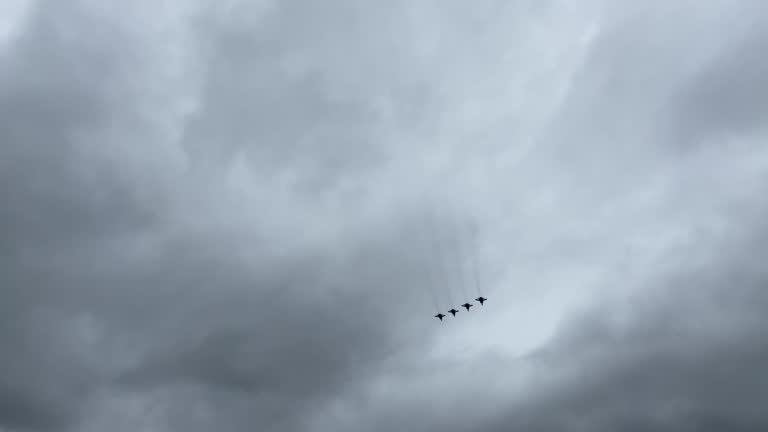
240,215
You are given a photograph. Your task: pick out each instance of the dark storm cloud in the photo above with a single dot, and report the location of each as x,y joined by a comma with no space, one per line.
52,89
287,339
46,171
83,314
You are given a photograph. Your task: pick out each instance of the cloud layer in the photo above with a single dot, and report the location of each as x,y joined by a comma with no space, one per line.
238,215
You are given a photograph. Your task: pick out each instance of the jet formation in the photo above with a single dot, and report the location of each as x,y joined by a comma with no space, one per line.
466,306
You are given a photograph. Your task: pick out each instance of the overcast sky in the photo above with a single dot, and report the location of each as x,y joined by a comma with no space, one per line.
223,215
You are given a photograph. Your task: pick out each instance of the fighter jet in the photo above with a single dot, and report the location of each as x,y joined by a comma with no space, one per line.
481,300
466,306
439,316
453,312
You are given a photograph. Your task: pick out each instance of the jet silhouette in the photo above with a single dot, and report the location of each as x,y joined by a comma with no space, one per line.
439,316
453,312
481,299
466,306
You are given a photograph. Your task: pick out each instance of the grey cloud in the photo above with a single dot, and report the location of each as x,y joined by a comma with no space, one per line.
275,342
683,355
294,80
314,311
684,361
51,90
729,95
657,78
287,330
127,285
